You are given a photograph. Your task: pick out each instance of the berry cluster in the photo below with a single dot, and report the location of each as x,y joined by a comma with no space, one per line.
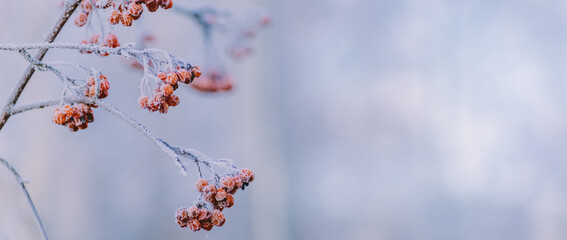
125,11
128,11
214,81
92,88
163,97
218,196
110,41
75,116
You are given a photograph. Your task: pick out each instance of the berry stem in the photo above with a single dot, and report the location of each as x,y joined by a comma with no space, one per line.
28,197
70,7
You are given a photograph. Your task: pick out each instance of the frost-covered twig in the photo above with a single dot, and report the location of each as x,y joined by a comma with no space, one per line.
127,51
19,88
22,184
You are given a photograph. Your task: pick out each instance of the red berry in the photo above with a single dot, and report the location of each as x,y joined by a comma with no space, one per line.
114,18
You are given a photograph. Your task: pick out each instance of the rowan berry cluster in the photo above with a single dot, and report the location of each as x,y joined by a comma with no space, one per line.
75,116
128,11
124,12
214,81
163,97
218,196
91,90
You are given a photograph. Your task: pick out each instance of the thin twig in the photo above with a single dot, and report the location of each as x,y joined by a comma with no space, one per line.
163,145
30,202
19,88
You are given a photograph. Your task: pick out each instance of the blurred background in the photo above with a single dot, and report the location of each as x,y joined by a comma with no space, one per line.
362,119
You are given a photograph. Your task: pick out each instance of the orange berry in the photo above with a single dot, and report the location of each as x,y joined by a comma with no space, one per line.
86,6
193,212
201,183
152,5
135,9
209,192
162,76
172,78
217,218
114,18
81,19
183,75
194,225
166,4
172,100
126,19
227,183
167,89
207,225
246,175
196,71
181,214
229,202
143,101
204,214
220,195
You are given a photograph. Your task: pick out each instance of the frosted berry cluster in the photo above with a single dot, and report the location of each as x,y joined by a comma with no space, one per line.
163,98
125,11
75,116
128,11
91,90
205,215
214,81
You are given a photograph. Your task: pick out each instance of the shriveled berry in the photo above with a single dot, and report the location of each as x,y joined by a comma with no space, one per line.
126,19
166,4
114,17
172,100
152,5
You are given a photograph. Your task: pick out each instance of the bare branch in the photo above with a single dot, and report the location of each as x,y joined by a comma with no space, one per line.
19,88
28,197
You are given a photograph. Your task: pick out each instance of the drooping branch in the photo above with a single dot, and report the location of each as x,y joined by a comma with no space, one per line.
69,8
172,151
22,185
